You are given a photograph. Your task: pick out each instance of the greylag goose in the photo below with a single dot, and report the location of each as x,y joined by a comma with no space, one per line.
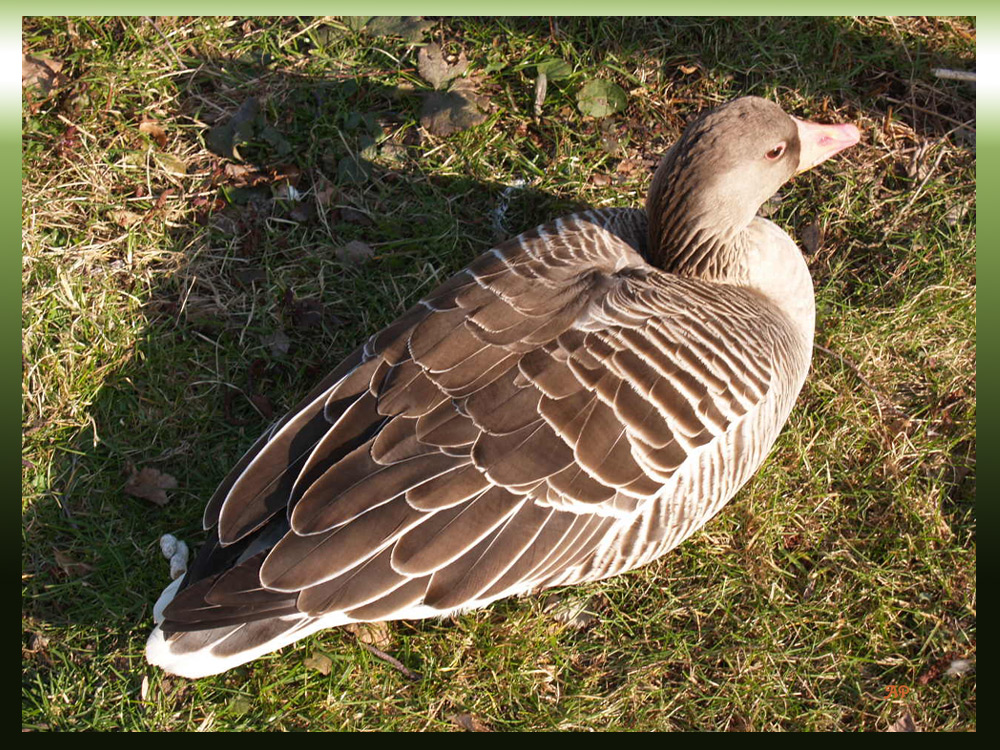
573,404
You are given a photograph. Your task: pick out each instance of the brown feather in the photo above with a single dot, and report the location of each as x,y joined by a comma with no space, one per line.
334,499
298,562
448,534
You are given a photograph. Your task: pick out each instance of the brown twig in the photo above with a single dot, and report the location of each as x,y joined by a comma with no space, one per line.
390,660
933,113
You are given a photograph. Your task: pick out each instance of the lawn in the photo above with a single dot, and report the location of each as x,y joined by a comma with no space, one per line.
216,210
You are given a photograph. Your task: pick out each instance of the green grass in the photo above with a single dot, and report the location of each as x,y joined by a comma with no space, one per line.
149,340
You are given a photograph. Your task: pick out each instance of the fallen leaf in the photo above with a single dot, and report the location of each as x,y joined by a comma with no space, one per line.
574,611
353,216
150,484
904,723
601,98
161,199
38,642
240,705
71,567
241,174
302,212
124,218
936,669
305,313
41,74
435,69
275,139
554,68
958,667
629,166
224,139
688,69
154,131
444,113
171,164
354,252
320,662
600,180
469,723
352,170
324,192
377,634
356,23
812,237
279,343
954,215
411,28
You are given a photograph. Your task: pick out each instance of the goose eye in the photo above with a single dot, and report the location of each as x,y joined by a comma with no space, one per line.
776,152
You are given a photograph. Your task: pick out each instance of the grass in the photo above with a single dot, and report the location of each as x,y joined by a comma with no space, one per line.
165,326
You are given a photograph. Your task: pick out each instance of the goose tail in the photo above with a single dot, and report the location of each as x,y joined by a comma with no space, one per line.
205,652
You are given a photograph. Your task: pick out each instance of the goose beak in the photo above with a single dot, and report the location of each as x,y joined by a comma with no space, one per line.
820,142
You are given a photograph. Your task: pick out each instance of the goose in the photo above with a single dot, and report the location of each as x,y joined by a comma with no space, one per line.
573,404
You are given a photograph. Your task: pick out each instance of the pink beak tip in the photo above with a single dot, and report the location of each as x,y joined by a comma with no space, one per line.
820,142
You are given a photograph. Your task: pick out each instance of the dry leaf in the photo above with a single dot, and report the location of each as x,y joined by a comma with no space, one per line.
154,131
444,113
353,216
320,662
324,192
375,634
124,218
627,166
41,73
435,69
71,567
470,723
150,484
812,238
171,164
278,342
574,611
958,667
224,138
354,251
411,28
241,174
904,723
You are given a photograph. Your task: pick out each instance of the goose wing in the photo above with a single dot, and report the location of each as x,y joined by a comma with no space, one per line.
515,429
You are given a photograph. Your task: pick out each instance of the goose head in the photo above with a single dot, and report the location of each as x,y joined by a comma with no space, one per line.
711,183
